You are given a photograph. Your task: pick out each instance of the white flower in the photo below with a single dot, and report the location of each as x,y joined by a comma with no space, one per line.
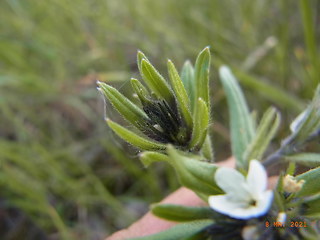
245,198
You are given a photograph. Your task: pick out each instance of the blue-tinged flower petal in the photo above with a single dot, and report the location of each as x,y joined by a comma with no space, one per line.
245,198
241,210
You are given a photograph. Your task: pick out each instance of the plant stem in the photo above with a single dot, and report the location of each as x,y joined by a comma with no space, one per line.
288,147
273,158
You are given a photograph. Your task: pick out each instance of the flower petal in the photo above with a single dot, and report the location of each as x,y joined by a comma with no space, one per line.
221,204
264,203
262,206
257,178
233,184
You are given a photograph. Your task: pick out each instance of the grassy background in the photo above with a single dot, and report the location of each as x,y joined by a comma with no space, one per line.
63,174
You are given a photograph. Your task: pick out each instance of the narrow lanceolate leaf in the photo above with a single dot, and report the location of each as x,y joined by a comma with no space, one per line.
200,125
295,125
124,106
201,75
266,131
308,122
181,94
134,139
141,91
313,206
307,159
147,158
254,117
242,128
141,56
312,183
189,230
187,76
156,82
181,213
194,174
207,149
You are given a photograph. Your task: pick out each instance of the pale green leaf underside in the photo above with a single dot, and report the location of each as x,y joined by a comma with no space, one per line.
194,174
242,127
313,204
312,183
310,123
308,159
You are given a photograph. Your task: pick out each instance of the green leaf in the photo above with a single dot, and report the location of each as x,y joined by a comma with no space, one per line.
308,122
201,75
279,196
200,125
254,117
291,169
264,134
242,127
156,82
123,105
312,183
194,174
311,231
187,76
313,206
181,231
181,94
134,139
140,90
207,149
296,123
307,159
147,158
141,56
181,213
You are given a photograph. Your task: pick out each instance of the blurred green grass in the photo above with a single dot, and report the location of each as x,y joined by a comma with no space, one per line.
60,165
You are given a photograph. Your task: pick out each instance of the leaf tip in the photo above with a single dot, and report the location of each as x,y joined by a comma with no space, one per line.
140,54
224,69
207,48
